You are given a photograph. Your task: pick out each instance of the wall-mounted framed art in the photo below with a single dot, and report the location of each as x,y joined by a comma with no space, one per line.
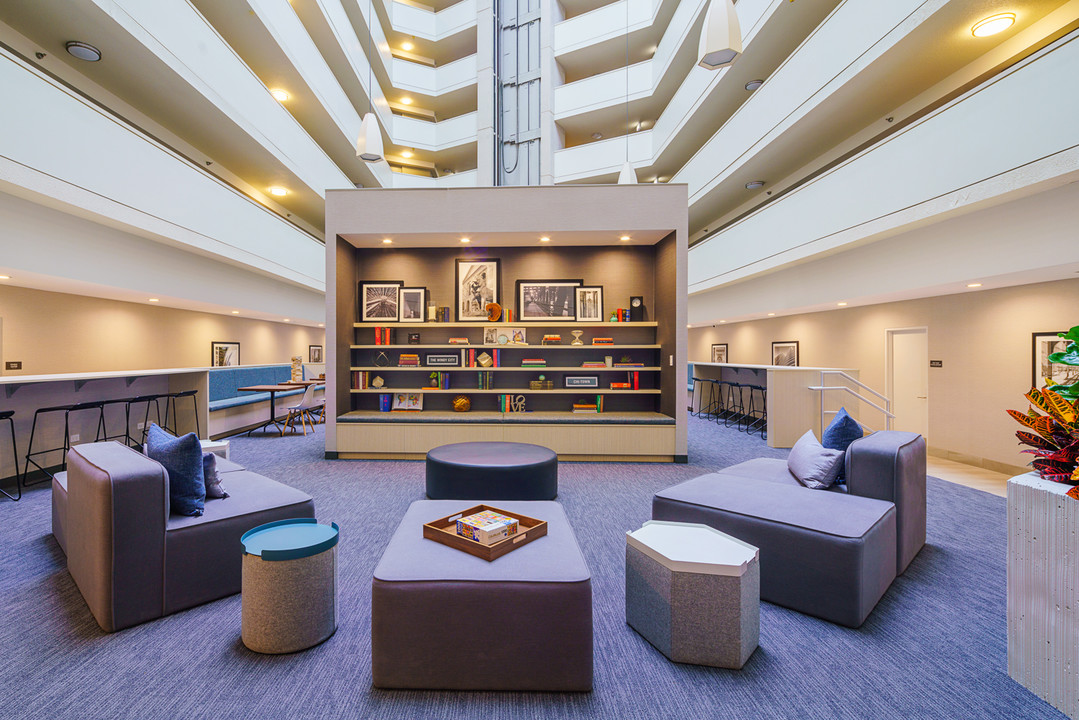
539,300
478,283
224,354
1044,345
785,352
719,352
314,353
589,303
411,304
380,300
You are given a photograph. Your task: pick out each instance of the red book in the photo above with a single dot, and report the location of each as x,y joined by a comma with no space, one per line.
636,380
378,336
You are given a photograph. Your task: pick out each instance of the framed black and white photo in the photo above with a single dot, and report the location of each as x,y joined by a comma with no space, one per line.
411,304
478,283
785,352
224,354
539,300
719,352
589,302
379,301
1045,344
314,353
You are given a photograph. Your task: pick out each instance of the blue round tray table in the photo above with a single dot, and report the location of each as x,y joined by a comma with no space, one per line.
289,585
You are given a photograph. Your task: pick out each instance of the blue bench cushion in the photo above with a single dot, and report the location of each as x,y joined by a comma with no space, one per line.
225,384
249,398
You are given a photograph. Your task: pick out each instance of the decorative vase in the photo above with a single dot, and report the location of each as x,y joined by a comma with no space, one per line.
461,403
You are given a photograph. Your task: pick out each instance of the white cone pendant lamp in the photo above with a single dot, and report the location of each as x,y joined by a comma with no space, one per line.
628,176
369,144
721,36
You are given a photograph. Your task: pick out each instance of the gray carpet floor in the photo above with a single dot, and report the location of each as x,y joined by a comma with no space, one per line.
935,647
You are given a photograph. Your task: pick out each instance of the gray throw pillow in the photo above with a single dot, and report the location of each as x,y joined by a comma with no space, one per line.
812,465
211,478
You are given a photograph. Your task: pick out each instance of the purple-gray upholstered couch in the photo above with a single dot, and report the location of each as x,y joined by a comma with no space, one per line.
826,553
132,560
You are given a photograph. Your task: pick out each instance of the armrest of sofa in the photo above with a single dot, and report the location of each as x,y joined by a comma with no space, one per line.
890,465
117,508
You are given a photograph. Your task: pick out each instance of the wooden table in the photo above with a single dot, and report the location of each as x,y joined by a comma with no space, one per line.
273,390
302,383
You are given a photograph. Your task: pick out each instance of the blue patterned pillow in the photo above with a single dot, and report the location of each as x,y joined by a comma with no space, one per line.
182,458
841,432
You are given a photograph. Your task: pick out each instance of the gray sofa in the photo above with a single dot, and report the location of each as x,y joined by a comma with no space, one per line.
831,554
130,558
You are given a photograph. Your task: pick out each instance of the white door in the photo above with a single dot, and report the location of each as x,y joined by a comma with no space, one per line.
909,381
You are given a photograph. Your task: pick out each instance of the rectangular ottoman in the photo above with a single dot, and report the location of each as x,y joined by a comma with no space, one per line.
442,619
826,554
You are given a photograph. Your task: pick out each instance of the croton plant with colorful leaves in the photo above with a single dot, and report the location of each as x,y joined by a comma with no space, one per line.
1053,416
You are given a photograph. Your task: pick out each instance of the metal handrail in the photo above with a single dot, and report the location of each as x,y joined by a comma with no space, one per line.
887,409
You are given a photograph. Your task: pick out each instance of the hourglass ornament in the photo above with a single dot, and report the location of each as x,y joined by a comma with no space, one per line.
577,337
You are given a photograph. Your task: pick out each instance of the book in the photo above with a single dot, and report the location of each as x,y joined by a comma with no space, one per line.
458,341
621,386
603,341
487,527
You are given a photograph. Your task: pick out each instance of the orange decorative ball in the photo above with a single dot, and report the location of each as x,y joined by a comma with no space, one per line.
461,403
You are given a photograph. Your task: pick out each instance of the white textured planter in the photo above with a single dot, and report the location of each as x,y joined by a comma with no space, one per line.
1043,590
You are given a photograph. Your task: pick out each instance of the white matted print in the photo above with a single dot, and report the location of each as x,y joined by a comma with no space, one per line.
379,301
539,300
719,353
477,285
589,301
785,352
411,304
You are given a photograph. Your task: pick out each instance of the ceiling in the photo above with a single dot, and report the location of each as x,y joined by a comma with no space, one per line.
505,239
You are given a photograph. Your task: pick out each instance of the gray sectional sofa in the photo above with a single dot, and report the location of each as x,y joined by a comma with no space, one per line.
132,560
826,553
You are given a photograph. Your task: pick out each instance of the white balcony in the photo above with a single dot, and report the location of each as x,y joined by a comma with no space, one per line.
444,135
603,24
414,19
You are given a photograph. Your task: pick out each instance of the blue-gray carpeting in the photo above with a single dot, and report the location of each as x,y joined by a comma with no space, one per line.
935,647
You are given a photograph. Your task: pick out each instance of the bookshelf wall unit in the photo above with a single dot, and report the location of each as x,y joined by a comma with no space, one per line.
585,225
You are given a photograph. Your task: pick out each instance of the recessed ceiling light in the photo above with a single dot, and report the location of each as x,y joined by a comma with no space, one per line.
597,136
406,101
993,24
974,285
279,95
754,184
235,312
287,320
754,84
545,239
841,304
771,314
5,277
153,300
624,238
723,321
387,241
83,51
278,191
407,46
406,154
322,324
465,240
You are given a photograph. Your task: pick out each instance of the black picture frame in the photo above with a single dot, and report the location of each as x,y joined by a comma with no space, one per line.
583,296
785,353
1044,344
547,300
412,304
477,282
377,307
224,353
314,354
719,350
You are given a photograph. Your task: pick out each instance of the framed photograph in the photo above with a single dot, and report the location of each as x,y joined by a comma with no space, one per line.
719,353
785,352
413,338
490,335
314,353
379,301
581,381
539,300
1045,344
224,354
478,283
407,401
411,304
589,302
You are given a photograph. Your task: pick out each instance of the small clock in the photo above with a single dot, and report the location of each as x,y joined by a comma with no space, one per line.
636,308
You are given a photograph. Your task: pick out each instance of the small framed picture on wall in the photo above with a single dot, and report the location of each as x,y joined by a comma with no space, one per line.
589,303
719,353
224,354
379,301
785,353
478,284
314,353
1045,344
412,302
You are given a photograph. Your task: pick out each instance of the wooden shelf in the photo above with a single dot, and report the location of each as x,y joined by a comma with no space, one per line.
507,391
434,368
526,324
525,348
644,418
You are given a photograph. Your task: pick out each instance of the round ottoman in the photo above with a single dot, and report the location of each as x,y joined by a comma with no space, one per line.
289,585
492,471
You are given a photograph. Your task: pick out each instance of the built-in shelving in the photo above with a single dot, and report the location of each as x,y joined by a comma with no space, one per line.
453,368
526,324
545,348
510,391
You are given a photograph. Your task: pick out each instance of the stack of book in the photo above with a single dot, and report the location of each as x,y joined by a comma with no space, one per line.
487,527
621,386
408,360
589,406
551,340
603,341
534,362
486,380
628,364
385,336
458,341
474,358
593,364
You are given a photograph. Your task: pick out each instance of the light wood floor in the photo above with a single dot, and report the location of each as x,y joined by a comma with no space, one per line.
969,475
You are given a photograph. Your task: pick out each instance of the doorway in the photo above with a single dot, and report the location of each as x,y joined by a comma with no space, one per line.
907,373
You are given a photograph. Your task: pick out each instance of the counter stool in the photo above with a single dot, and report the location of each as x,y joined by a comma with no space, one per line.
722,395
708,407
126,402
735,406
97,405
148,399
170,402
757,414
7,415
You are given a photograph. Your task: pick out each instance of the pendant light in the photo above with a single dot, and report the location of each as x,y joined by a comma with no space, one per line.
369,143
627,176
721,36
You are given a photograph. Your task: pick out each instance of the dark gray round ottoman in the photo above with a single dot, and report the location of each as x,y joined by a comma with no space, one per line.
492,471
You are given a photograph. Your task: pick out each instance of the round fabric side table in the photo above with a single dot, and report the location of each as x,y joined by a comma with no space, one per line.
289,585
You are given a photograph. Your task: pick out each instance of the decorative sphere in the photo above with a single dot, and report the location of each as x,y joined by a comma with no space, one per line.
541,377
461,403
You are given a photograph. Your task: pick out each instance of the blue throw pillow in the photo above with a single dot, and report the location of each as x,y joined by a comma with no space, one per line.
182,458
841,432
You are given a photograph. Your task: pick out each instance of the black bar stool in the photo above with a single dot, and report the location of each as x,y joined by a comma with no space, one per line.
7,415
67,410
757,413
126,402
170,401
148,399
735,406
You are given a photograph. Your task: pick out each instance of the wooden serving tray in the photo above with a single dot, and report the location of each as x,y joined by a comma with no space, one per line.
444,530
